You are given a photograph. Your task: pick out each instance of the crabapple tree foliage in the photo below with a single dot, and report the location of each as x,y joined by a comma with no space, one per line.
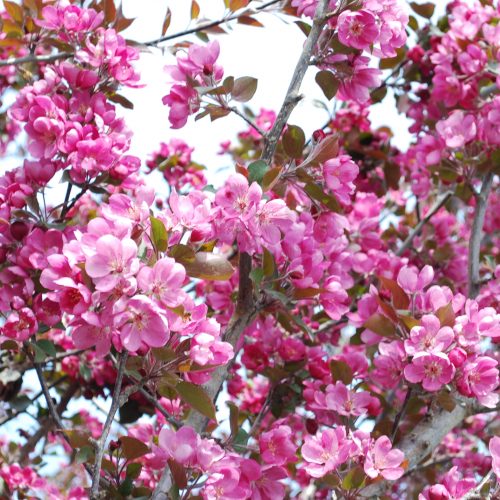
322,323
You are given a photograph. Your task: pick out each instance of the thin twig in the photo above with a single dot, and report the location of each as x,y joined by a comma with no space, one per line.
476,492
401,414
211,24
416,230
236,111
96,472
474,282
160,408
33,399
32,58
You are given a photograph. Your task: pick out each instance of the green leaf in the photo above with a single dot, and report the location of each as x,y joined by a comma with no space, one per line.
244,88
270,178
328,83
256,171
380,325
354,479
293,141
341,371
256,275
47,346
316,192
423,9
209,266
84,455
241,440
196,397
40,354
159,234
78,439
133,448
133,470
182,253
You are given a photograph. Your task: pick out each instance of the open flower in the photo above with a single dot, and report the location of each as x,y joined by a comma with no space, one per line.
382,460
433,370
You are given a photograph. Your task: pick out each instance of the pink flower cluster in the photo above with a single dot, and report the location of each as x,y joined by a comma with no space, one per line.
197,68
173,160
329,449
229,475
70,125
110,295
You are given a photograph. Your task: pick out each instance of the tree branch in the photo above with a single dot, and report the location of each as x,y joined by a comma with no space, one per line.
424,438
33,58
115,402
210,24
416,230
474,282
246,309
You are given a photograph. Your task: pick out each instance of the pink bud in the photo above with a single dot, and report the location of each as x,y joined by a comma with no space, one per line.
457,356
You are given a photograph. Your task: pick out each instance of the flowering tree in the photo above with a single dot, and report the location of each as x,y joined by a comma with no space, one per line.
321,324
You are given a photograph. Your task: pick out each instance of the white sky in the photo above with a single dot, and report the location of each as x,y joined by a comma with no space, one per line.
269,54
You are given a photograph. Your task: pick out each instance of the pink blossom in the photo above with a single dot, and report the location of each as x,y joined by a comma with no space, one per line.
383,460
347,402
433,370
357,29
450,487
494,447
325,451
412,281
355,76
180,445
183,101
458,129
70,18
277,447
339,174
142,322
335,300
114,259
429,336
479,378
163,281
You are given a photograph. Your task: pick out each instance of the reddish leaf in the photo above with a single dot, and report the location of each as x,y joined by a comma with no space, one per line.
166,21
209,266
15,11
133,448
446,315
381,325
196,397
195,9
250,21
328,83
399,297
244,88
178,473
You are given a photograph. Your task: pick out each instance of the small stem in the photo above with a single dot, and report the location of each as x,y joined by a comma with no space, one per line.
208,25
96,472
236,111
416,230
401,414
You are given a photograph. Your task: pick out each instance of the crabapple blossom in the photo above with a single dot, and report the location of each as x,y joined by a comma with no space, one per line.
432,370
383,460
